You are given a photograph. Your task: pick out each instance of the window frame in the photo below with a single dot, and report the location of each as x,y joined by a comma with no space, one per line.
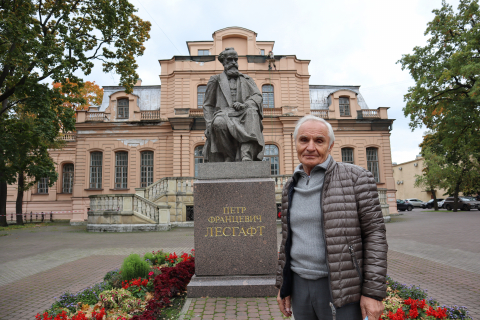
95,182
146,169
262,52
352,161
42,186
201,95
268,96
121,170
197,158
67,186
373,164
125,109
344,108
267,156
201,52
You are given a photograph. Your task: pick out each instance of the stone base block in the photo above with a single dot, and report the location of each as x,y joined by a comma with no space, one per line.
234,170
127,227
232,286
78,223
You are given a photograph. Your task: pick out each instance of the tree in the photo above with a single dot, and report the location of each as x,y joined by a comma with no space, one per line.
81,99
55,38
446,95
432,177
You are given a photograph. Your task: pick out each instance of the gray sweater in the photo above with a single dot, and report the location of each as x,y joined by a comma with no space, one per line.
308,245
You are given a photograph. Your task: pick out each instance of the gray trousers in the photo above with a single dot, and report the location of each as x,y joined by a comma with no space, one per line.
311,301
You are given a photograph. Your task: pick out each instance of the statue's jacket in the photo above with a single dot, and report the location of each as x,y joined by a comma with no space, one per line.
244,125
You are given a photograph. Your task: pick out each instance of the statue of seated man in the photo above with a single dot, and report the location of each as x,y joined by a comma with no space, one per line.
233,115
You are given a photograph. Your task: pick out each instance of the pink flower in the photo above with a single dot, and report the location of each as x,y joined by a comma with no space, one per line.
150,273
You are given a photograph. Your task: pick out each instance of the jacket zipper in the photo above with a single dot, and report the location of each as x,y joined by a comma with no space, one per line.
355,262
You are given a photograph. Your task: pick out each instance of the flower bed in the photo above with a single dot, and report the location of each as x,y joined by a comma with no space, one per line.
147,297
123,295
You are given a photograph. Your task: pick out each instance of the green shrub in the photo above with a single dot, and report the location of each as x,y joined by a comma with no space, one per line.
114,278
134,267
155,258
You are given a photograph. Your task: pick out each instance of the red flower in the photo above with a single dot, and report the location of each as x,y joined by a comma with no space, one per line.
98,316
399,315
413,313
438,314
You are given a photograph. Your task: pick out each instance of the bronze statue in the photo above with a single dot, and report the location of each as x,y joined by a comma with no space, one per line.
233,115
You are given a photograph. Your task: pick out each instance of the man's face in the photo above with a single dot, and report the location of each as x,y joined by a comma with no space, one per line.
312,144
230,64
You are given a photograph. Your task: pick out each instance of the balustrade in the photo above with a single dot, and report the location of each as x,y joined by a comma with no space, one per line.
150,115
370,113
145,207
197,113
273,112
97,116
69,136
320,113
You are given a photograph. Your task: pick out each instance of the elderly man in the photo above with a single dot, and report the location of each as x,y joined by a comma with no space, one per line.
333,257
233,115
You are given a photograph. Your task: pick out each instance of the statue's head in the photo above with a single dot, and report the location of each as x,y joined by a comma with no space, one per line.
229,59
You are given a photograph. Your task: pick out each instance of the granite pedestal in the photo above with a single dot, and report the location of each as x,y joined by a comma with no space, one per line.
235,231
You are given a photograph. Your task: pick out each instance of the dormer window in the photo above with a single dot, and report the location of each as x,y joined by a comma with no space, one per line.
203,52
344,106
122,109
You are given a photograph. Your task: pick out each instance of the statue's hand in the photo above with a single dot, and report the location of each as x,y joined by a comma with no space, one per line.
239,106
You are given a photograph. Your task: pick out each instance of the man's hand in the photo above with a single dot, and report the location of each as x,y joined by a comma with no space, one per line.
285,305
371,308
239,106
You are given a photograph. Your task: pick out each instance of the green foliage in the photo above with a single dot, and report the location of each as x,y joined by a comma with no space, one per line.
114,278
134,267
88,296
155,258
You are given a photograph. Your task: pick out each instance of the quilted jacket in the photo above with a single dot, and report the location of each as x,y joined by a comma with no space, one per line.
354,231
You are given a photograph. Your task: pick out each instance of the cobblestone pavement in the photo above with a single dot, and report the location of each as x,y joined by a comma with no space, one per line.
438,251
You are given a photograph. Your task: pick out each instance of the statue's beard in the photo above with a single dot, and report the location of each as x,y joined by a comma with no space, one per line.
232,72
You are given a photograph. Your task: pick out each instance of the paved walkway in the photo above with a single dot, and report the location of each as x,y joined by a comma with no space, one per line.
438,251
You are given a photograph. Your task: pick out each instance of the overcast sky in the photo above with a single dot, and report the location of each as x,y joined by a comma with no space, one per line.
348,42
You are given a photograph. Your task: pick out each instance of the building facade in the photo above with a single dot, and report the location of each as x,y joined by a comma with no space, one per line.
151,139
405,176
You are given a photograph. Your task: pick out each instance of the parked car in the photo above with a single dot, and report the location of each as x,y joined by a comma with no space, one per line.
464,203
402,205
429,204
414,202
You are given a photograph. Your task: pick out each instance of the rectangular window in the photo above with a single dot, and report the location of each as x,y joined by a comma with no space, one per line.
262,52
201,96
43,186
121,170
344,106
96,170
372,163
203,52
347,155
267,93
146,169
122,108
67,184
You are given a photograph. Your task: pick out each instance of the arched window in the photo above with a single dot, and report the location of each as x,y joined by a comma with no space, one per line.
146,169
347,155
344,106
201,96
198,156
42,187
271,154
121,170
122,109
96,170
67,179
267,92
372,163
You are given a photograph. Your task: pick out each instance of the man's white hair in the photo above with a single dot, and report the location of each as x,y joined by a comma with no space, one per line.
310,117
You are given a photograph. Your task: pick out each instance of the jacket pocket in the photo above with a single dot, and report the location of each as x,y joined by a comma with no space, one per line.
355,261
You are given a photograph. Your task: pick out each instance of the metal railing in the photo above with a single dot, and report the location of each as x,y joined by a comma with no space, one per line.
320,113
97,116
31,217
150,115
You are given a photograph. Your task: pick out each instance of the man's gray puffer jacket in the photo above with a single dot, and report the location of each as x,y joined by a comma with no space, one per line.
354,231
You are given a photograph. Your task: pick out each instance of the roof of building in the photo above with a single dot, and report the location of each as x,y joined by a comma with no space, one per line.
320,95
148,96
